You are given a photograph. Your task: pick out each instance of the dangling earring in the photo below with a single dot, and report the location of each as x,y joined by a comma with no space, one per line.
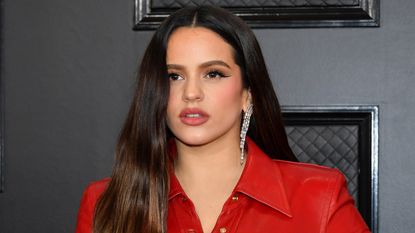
244,130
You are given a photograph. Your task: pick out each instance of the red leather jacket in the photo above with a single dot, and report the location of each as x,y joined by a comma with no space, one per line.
271,196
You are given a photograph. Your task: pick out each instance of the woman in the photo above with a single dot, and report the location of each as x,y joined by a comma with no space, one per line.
184,162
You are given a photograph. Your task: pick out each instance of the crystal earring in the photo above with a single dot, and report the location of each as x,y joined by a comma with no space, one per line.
244,130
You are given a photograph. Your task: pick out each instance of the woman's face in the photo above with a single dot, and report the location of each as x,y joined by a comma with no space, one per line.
206,89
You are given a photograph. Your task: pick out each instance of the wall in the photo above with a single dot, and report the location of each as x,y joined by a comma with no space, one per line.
68,72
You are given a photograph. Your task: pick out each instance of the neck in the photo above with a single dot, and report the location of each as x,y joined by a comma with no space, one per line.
220,158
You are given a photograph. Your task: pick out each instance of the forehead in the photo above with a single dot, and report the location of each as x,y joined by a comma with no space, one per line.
197,43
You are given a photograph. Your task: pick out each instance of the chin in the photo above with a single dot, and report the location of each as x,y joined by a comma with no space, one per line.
193,140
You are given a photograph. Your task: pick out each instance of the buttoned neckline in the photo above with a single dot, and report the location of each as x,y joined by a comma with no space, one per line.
259,174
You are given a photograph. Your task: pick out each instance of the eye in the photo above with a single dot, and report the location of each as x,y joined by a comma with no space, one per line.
175,76
215,74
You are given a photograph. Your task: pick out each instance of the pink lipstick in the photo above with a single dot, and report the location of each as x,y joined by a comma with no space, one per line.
193,116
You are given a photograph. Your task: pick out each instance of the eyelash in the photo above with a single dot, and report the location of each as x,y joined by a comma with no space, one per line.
174,76
216,74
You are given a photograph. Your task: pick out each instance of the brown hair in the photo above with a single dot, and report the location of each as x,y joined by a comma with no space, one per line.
136,197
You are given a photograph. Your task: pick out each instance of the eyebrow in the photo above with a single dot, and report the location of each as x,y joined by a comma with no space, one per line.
203,65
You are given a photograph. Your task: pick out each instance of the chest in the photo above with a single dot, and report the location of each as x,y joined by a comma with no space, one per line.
240,214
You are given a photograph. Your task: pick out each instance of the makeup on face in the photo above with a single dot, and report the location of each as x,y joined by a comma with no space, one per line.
206,89
193,116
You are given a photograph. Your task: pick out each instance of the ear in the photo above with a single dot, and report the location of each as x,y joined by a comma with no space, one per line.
246,99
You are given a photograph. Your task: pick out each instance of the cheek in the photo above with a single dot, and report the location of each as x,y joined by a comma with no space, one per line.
171,105
229,95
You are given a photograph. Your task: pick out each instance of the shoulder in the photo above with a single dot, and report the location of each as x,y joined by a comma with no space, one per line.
91,194
306,170
93,191
97,187
87,205
291,173
296,175
319,191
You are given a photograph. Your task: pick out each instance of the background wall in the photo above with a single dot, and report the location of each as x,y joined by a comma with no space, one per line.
68,72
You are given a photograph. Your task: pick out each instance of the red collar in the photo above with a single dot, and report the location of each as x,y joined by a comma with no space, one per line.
260,180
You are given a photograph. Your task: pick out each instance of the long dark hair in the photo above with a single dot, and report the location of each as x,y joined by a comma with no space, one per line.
136,197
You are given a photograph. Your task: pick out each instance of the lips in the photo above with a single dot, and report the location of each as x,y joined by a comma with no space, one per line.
193,116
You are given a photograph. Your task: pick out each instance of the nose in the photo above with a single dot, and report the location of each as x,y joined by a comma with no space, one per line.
193,90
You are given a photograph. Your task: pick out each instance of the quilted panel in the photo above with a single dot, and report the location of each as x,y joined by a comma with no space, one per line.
252,3
332,145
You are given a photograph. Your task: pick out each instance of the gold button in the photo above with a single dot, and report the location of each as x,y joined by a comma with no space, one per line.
222,230
235,198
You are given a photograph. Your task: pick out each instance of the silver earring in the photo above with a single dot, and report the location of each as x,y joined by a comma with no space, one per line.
244,130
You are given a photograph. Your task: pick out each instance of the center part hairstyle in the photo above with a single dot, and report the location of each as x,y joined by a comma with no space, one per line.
136,199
